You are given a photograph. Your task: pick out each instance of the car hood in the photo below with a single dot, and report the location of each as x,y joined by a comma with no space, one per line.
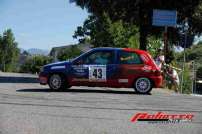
62,63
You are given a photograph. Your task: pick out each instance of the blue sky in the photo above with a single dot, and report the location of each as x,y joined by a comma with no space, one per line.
41,23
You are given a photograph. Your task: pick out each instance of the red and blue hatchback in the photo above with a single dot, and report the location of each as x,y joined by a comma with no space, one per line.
105,67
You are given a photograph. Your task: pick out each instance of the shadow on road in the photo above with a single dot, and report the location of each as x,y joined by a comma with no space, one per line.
80,91
9,79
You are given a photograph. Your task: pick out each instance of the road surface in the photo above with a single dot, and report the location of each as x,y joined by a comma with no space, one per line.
29,108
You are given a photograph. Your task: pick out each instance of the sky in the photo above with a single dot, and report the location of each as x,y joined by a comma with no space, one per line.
41,24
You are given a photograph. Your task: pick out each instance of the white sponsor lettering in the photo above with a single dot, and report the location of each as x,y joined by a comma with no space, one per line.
58,67
123,80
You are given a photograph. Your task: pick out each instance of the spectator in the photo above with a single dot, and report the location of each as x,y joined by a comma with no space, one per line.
160,59
173,76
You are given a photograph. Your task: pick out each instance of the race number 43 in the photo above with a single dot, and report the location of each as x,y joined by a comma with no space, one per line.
97,73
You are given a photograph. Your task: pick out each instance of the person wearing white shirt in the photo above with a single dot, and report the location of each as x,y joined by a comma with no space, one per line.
172,73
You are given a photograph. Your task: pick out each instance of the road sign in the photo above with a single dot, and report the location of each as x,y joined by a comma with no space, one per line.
164,18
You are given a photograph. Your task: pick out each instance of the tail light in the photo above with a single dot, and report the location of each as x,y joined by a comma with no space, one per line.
157,72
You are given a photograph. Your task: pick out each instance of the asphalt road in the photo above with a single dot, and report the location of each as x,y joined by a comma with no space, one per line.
29,108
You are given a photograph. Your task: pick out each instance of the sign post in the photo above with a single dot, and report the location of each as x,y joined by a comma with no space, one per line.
165,36
185,30
164,18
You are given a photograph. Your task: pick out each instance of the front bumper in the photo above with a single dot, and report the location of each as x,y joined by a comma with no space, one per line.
43,78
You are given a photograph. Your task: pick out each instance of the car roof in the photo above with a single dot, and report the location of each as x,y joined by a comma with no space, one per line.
106,48
135,50
124,49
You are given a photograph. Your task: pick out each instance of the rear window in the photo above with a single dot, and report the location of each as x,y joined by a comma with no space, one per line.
129,58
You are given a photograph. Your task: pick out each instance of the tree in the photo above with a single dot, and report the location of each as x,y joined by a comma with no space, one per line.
9,51
193,53
186,85
25,53
69,53
154,44
139,12
102,32
33,64
199,72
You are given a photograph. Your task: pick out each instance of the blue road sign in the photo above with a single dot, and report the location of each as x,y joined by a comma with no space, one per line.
164,18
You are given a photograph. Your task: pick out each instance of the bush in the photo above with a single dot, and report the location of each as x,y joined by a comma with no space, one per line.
34,63
187,82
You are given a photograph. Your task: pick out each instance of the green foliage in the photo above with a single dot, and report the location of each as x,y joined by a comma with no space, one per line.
197,18
9,51
139,13
69,53
187,82
170,56
25,53
124,35
193,53
199,72
102,32
133,41
34,63
153,45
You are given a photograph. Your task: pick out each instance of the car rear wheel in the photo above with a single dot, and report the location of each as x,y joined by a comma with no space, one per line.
57,82
143,85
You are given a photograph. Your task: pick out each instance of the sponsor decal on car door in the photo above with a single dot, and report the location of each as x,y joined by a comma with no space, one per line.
91,73
80,72
97,73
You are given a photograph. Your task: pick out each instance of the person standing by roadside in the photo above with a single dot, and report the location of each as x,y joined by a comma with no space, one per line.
160,59
174,78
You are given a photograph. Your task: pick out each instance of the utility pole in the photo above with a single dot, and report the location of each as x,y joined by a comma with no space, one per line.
185,31
193,77
165,42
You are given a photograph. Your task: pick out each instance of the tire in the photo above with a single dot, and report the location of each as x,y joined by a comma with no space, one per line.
143,85
57,82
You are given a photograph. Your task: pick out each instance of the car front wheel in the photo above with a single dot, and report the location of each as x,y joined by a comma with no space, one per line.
143,85
57,82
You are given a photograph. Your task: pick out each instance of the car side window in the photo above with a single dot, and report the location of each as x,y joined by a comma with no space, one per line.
129,58
100,58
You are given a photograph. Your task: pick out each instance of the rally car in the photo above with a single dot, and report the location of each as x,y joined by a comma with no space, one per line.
105,67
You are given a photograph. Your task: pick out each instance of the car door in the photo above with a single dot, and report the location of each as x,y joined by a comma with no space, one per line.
130,67
94,69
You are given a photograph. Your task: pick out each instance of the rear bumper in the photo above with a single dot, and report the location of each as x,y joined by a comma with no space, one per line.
43,78
158,81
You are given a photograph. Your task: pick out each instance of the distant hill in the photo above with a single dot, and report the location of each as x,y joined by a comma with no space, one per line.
36,51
